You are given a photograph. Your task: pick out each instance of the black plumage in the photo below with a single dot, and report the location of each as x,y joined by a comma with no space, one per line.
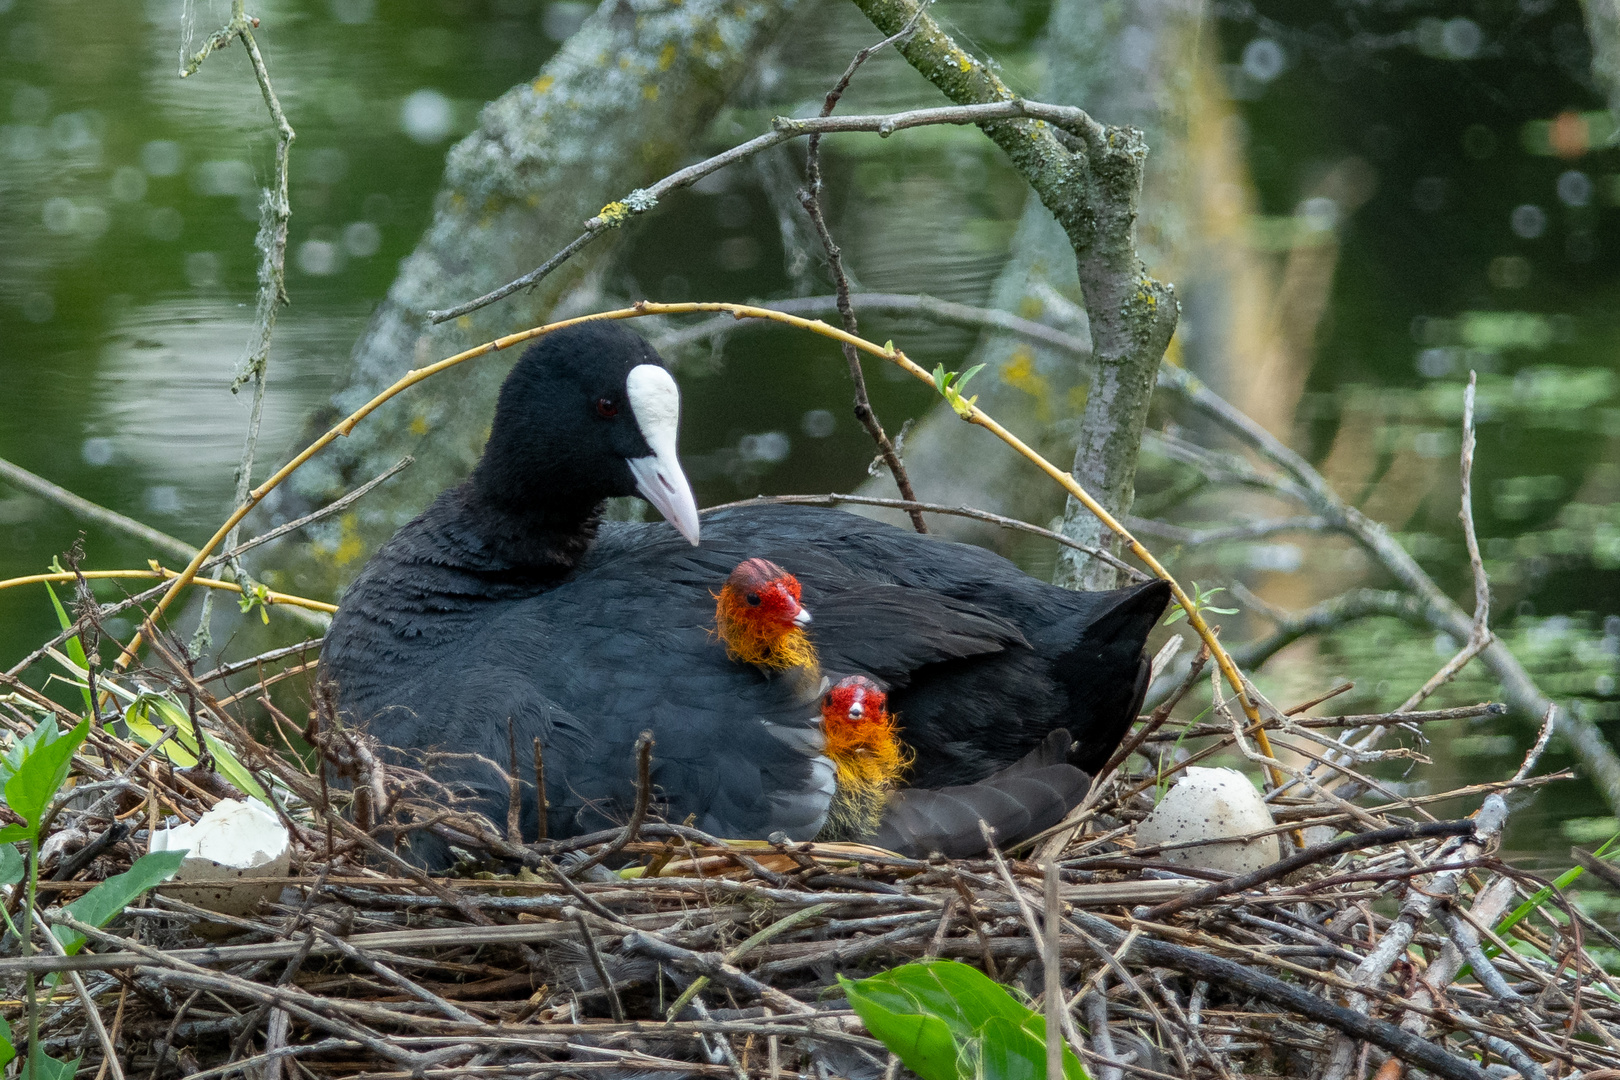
1016,803
505,601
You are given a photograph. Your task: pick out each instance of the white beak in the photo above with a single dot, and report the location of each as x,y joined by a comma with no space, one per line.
801,618
657,405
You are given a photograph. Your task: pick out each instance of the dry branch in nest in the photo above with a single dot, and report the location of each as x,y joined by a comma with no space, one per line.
703,956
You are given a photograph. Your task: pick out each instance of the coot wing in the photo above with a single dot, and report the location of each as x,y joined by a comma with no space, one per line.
1019,801
888,631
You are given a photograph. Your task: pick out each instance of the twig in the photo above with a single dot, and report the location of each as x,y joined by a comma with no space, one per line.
1328,615
1095,1007
21,478
1300,859
274,214
1415,909
929,307
1053,975
1254,530
540,798
810,199
835,499
783,129
644,745
776,929
1481,635
336,506
595,954
1204,965
109,1049
514,787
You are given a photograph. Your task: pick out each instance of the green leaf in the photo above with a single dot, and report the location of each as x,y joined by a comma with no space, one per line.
74,647
915,1005
181,747
44,731
1008,1052
41,774
11,864
962,379
942,378
12,833
98,906
7,1050
231,768
922,1042
44,1067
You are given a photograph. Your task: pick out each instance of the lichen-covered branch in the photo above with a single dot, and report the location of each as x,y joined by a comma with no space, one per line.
619,105
1090,178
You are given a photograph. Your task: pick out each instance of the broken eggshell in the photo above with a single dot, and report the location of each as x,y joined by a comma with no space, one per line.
235,854
1211,804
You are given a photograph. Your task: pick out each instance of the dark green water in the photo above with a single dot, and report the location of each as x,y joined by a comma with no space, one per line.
1491,240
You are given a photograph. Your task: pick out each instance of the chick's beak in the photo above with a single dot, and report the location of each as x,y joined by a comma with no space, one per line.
801,617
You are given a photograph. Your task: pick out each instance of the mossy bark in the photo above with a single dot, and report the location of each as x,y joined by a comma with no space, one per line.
1091,190
1124,61
618,106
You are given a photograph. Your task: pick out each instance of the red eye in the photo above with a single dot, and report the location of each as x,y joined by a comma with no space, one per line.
606,409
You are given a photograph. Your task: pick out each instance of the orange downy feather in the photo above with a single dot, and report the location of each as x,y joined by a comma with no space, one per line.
762,633
864,743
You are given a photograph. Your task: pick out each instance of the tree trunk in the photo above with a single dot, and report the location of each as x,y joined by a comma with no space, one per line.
1125,62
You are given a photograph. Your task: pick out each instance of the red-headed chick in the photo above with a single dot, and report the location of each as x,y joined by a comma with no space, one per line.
759,617
864,744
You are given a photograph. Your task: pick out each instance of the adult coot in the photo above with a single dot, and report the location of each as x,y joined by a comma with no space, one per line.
506,601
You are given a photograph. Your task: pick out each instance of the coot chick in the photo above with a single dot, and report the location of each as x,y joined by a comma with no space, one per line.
863,740
761,622
507,601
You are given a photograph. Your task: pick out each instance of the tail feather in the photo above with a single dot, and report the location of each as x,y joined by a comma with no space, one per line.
1019,801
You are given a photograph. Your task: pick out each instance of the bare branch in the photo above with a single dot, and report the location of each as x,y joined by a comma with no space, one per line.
810,199
21,478
935,508
783,129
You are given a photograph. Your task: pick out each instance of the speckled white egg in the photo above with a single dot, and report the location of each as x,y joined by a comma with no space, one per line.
235,855
1209,804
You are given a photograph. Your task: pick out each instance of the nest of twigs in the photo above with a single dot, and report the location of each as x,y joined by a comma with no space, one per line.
1380,947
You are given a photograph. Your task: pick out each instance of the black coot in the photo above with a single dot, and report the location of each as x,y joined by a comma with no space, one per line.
507,601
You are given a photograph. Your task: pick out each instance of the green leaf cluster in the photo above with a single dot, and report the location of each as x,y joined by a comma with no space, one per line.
32,775
1201,603
948,1021
950,384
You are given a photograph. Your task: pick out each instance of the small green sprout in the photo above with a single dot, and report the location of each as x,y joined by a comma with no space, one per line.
256,595
1201,604
950,384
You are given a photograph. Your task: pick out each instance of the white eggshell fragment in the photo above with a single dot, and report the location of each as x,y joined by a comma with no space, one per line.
1210,804
235,853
